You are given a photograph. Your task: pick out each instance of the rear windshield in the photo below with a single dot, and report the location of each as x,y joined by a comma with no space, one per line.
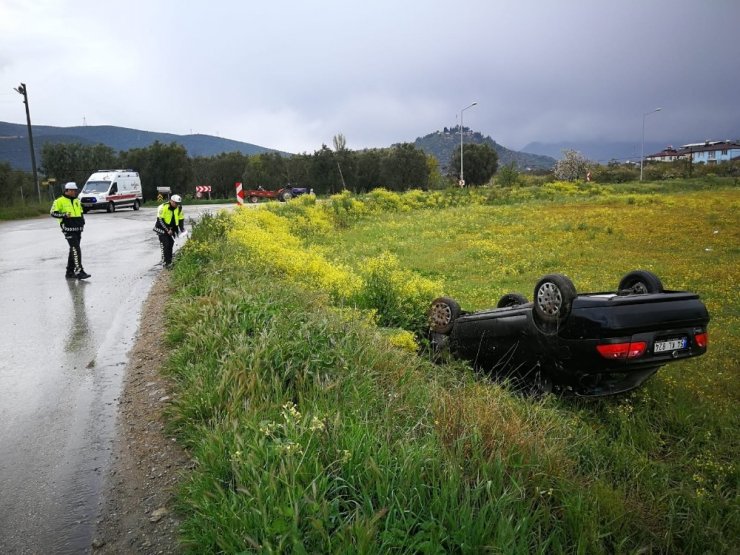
96,187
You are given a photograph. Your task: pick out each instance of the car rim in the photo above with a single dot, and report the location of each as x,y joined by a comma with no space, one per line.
549,298
640,288
440,315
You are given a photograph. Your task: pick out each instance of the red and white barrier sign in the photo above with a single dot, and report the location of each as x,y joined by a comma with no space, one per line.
202,188
239,194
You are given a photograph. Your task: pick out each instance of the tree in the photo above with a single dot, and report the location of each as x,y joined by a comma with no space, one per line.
298,170
160,165
481,163
340,142
508,175
324,171
404,167
221,172
76,162
16,185
573,165
267,170
369,173
435,181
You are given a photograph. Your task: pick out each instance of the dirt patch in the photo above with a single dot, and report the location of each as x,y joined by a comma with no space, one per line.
138,513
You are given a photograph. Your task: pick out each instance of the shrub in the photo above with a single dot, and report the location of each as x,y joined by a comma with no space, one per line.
400,296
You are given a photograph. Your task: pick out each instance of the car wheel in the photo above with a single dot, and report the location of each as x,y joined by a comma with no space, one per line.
286,196
442,314
111,207
136,205
511,299
641,282
553,297
85,210
254,200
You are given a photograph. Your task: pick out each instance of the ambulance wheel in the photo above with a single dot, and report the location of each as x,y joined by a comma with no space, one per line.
136,204
111,207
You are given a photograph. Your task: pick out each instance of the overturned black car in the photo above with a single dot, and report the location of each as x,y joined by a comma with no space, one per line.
587,344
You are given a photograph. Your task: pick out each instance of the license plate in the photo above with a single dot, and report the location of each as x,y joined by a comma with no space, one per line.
670,345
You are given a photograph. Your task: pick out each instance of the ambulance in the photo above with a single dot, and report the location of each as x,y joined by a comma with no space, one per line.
111,189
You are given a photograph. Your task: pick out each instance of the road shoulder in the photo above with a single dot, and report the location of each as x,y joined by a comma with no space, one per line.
137,513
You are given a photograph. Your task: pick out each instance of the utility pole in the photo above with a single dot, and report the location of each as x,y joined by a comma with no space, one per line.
22,90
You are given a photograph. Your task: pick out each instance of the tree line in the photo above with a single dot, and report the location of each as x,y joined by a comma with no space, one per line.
326,171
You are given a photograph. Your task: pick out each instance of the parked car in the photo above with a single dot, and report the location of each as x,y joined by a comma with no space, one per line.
588,344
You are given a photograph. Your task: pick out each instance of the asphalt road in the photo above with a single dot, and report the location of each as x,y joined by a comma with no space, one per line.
63,353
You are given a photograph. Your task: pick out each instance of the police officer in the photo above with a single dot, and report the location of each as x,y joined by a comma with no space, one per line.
170,223
68,210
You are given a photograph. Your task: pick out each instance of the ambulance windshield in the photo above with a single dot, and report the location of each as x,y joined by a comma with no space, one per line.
96,187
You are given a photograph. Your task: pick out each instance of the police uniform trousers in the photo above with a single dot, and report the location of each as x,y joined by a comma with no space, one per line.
166,242
74,259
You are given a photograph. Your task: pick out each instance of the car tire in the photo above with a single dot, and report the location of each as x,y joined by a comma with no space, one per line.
254,200
553,298
285,196
641,282
511,299
85,210
442,315
136,204
111,207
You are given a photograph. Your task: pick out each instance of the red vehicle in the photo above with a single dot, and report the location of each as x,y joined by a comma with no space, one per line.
283,195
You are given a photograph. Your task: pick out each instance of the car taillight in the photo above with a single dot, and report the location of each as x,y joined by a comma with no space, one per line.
617,351
701,339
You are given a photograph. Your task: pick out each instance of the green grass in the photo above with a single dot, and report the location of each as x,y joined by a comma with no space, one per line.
24,210
312,433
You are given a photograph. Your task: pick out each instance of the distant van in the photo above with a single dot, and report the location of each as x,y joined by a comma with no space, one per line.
112,189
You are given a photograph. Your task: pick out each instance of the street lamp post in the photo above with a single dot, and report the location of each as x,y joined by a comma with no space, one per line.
642,151
22,90
462,127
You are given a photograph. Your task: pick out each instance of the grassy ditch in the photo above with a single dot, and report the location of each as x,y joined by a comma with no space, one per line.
315,426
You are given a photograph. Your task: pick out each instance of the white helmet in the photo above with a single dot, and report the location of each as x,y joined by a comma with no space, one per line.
70,186
176,198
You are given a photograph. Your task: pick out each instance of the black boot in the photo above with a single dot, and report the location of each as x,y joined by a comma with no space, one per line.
82,274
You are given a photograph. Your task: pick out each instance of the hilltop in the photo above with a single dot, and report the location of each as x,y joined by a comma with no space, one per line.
442,144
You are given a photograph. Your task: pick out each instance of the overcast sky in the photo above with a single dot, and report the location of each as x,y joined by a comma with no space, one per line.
290,75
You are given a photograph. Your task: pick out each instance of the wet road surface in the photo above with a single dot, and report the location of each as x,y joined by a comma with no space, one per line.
63,353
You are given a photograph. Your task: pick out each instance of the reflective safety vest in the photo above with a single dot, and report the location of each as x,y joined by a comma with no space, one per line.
65,205
168,217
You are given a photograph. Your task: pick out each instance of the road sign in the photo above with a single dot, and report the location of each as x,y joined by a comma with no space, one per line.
239,194
202,188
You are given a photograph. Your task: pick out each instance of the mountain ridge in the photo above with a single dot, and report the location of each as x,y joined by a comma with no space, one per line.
14,141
